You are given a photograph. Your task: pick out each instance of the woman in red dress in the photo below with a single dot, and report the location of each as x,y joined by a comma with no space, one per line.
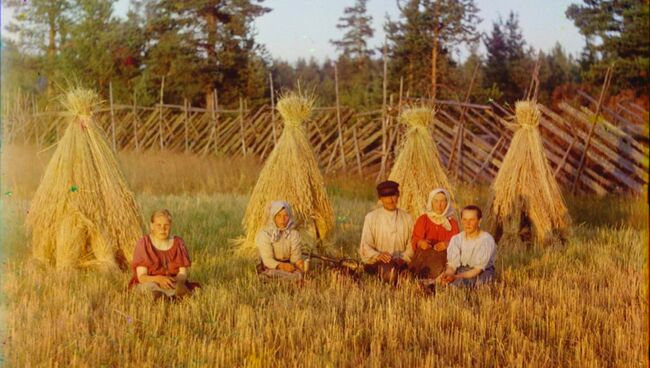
431,235
161,262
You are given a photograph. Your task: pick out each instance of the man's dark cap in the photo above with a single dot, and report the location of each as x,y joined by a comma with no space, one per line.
387,188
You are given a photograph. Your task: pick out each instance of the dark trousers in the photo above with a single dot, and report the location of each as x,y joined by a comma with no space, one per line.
485,277
387,272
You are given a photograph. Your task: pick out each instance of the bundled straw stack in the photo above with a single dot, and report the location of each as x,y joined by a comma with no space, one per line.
83,214
291,174
417,168
526,183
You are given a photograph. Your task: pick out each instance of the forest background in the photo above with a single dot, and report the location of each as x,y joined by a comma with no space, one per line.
201,47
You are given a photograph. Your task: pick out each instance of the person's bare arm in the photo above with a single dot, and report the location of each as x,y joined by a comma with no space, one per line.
447,275
286,266
450,271
300,264
423,244
470,274
440,246
164,282
182,274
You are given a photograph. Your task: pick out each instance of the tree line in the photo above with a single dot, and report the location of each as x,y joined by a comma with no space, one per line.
199,47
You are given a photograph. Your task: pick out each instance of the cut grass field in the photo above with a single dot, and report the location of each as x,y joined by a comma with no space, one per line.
583,304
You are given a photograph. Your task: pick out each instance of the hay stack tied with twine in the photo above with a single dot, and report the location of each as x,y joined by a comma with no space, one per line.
526,183
291,174
83,213
417,168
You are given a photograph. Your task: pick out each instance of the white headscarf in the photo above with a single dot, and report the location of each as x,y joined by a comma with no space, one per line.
440,218
271,229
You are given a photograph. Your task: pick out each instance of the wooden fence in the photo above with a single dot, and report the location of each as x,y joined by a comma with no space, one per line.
472,139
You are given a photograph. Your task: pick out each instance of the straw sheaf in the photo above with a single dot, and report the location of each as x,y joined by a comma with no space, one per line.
80,103
83,213
417,116
525,182
290,173
417,167
527,114
295,108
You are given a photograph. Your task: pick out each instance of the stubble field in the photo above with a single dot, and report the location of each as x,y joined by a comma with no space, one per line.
583,304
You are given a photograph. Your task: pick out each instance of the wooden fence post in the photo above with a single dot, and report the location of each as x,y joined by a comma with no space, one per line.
401,91
212,140
216,118
338,113
36,132
135,123
565,157
185,122
356,149
275,136
458,139
160,116
384,144
110,97
583,158
487,160
241,126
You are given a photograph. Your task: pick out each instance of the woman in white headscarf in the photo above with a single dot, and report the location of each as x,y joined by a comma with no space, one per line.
431,235
279,245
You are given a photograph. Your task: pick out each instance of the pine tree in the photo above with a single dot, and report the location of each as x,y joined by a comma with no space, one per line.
428,27
42,27
211,38
615,31
557,70
509,65
354,63
357,26
90,56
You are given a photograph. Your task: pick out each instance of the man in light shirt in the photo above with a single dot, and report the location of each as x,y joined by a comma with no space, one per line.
471,253
385,247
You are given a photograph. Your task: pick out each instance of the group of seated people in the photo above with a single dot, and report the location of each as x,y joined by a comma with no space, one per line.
433,249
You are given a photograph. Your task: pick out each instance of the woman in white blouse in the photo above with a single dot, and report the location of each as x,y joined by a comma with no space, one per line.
279,245
471,253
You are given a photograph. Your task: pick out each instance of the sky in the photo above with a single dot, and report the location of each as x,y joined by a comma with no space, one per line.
303,28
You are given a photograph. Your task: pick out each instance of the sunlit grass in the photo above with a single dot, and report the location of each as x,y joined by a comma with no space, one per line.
583,304
579,305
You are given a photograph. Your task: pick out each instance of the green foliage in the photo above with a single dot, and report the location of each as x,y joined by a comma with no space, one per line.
356,24
91,56
616,31
199,46
509,65
211,38
357,71
556,70
412,37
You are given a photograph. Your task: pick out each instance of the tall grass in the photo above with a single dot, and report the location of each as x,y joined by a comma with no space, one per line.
583,304
149,172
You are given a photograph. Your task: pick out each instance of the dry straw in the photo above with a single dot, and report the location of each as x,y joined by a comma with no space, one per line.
417,168
290,173
83,213
525,182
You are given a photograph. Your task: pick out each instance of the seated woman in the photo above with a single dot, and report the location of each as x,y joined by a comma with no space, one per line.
279,245
431,235
471,254
161,262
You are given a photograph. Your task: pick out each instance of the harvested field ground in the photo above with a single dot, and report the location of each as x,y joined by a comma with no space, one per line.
583,304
